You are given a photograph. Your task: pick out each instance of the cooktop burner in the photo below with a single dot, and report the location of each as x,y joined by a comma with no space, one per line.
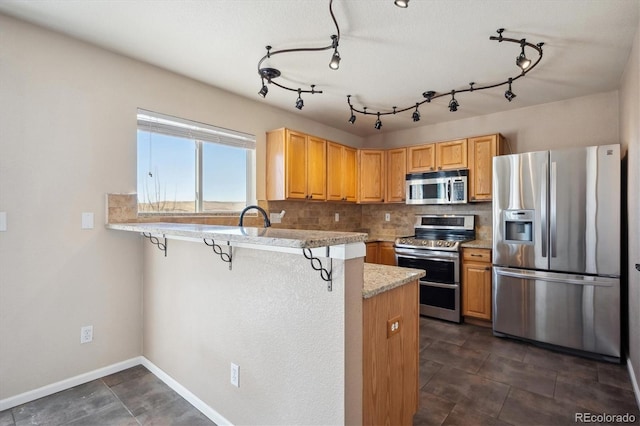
439,232
416,242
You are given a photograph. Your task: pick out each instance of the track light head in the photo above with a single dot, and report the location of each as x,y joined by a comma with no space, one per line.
522,61
352,119
378,124
453,104
263,92
509,94
299,101
401,3
416,115
335,60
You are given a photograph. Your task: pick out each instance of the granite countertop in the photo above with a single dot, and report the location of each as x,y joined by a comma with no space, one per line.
483,244
381,278
381,238
292,238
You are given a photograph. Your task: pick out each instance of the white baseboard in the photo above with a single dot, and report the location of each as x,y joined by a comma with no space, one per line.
47,390
634,382
205,409
14,401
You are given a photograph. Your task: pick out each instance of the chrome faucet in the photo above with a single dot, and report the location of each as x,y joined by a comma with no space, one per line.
267,222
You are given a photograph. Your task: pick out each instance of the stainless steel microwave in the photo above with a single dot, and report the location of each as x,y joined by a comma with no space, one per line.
447,187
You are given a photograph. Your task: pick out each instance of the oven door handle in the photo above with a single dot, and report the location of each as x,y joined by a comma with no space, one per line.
436,258
441,285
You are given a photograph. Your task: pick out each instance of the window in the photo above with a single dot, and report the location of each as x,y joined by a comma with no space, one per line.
190,167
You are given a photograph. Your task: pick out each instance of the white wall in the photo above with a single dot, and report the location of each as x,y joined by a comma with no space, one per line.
271,314
67,137
584,121
630,138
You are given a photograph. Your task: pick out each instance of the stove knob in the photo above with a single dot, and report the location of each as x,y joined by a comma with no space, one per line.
439,243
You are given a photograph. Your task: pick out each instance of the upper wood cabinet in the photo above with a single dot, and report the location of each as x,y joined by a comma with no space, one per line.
396,175
451,155
296,166
482,149
433,157
421,158
342,184
371,176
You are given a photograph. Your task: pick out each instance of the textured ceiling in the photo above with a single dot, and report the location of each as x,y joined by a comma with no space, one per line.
389,55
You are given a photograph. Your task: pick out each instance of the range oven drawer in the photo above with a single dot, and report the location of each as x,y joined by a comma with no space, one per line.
438,270
440,288
440,301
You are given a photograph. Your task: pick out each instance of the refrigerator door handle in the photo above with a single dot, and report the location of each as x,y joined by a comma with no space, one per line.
543,209
552,210
556,278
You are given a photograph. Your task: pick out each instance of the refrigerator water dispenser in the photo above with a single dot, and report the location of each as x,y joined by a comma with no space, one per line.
518,226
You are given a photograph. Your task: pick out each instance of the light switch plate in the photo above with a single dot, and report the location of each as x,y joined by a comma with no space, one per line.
3,221
87,220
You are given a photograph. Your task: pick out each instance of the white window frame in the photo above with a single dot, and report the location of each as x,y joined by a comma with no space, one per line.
154,122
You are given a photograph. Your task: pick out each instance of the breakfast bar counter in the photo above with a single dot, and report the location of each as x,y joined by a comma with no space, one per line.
269,298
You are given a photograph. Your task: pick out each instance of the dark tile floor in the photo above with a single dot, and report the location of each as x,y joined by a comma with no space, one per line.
130,397
467,377
470,377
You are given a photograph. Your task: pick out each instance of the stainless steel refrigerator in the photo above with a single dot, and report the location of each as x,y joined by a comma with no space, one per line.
556,248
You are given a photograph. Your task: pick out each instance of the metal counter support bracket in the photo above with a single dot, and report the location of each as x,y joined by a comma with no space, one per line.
316,264
226,257
156,242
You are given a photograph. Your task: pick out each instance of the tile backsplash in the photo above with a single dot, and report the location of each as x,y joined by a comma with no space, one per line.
318,215
402,217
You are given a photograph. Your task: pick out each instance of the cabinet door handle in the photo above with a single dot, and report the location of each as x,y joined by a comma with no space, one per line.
311,196
488,268
476,255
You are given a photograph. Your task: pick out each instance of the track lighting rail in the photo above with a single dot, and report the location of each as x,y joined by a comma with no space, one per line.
525,64
268,75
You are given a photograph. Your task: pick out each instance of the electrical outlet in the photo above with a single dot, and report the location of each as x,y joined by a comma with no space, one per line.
387,217
275,218
86,334
337,217
394,325
235,375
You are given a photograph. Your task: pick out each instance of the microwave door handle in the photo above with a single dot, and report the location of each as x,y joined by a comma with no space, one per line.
449,190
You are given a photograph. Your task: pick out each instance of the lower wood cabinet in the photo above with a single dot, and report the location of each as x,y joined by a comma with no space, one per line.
476,283
390,358
381,252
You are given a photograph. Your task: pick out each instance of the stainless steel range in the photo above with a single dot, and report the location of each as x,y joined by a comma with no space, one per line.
435,248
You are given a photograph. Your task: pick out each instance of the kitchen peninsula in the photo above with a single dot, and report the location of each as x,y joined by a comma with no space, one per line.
298,311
